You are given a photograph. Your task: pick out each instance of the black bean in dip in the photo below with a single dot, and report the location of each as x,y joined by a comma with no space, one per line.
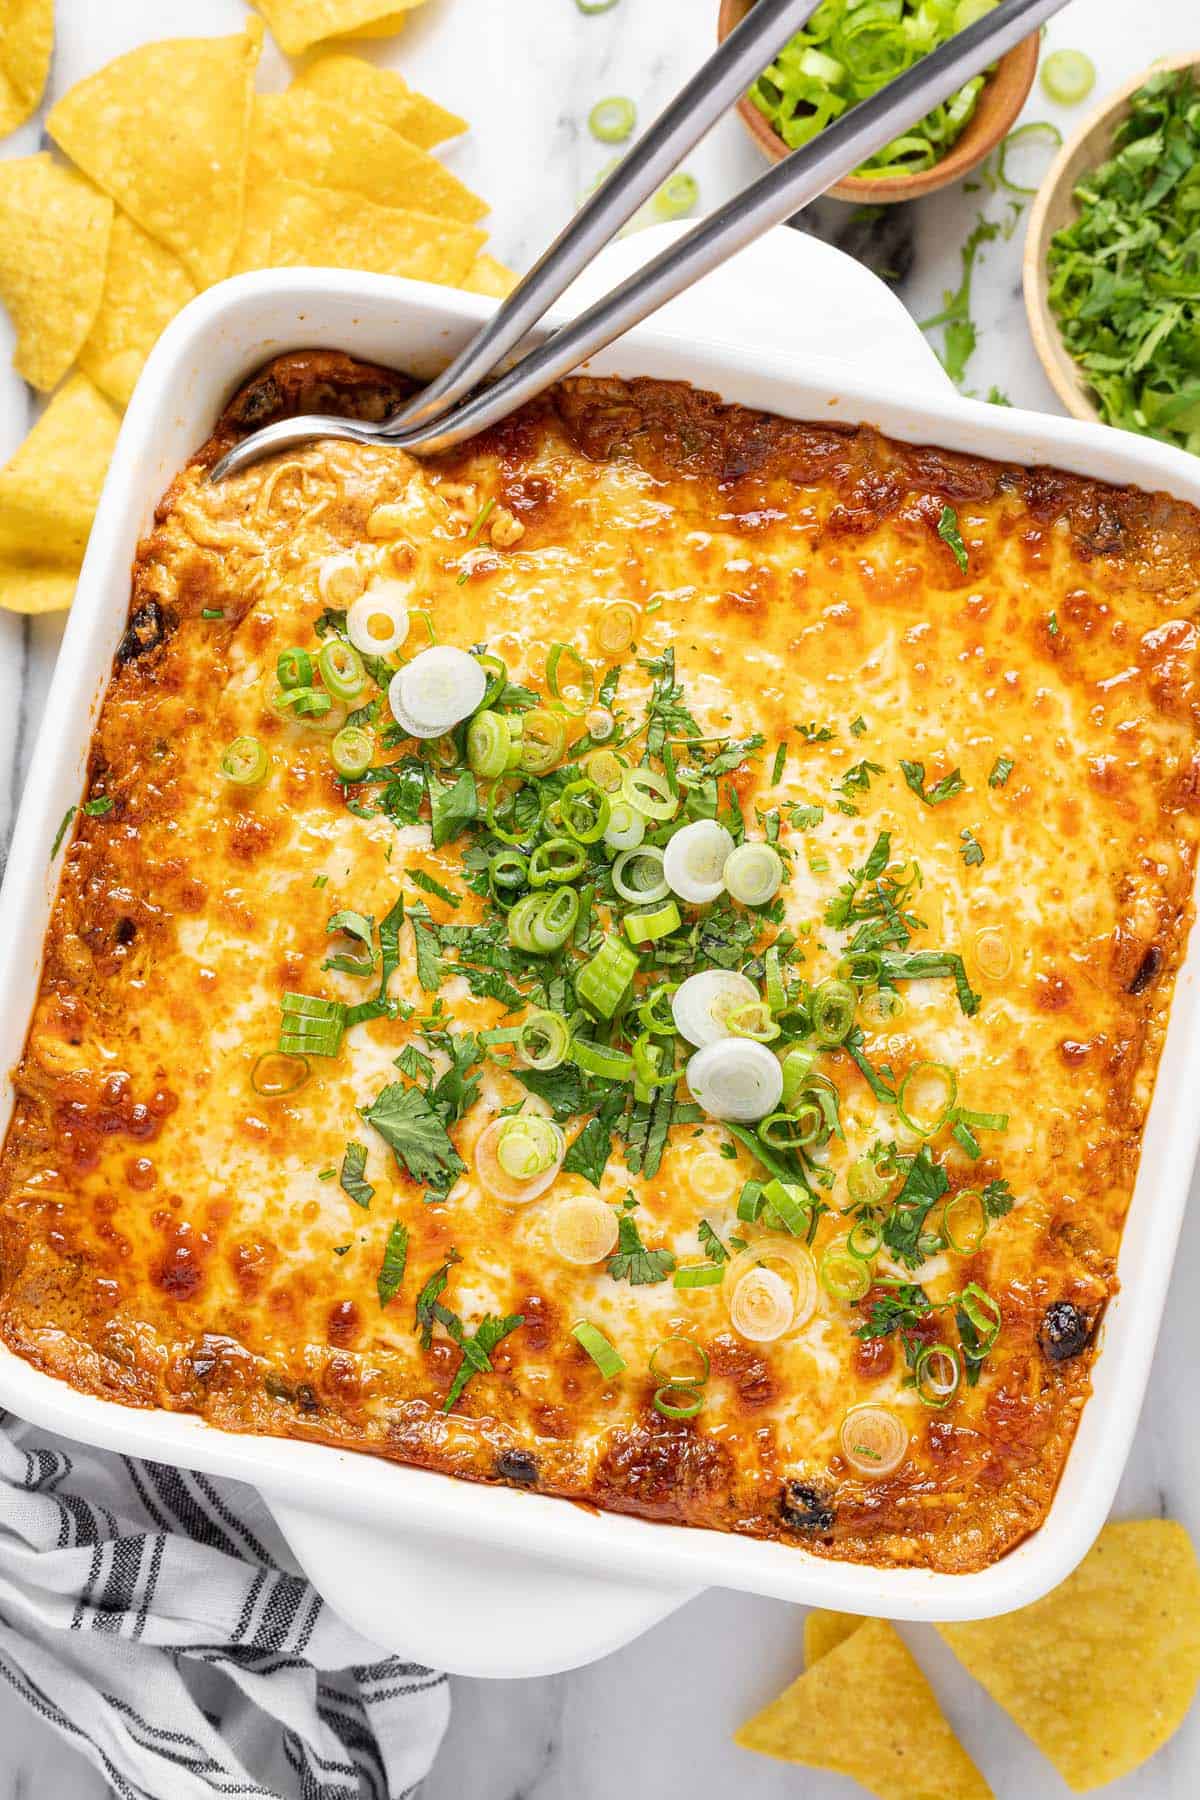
516,1465
1066,1330
806,1507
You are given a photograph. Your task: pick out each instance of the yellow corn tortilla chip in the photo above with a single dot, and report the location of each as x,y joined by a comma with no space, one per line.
49,489
296,24
292,225
54,230
487,276
867,1711
26,41
35,587
369,92
1103,1670
144,287
824,1631
164,129
302,137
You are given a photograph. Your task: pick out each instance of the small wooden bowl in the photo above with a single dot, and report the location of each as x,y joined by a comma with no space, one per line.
1053,208
993,118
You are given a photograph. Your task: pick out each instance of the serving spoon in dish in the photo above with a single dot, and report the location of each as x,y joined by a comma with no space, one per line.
456,404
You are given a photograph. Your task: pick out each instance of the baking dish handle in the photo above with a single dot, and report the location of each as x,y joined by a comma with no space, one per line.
468,1608
789,294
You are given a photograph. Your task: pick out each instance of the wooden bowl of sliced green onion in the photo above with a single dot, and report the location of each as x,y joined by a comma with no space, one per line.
1110,287
845,54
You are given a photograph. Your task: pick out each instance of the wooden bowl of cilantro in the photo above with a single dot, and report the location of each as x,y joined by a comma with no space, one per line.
1112,260
849,50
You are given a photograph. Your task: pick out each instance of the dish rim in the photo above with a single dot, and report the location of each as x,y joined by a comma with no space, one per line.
280,310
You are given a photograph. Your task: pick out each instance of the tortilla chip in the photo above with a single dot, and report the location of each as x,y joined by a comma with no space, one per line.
303,137
368,92
487,276
26,41
1103,1670
867,1711
164,129
143,290
291,225
54,230
295,24
824,1631
49,490
35,587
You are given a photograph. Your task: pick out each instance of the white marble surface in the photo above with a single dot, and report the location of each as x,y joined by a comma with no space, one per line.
653,1721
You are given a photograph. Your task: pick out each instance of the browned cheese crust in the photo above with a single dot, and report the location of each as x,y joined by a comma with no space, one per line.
165,1237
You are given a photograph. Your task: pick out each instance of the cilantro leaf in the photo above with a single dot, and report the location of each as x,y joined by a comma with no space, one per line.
925,1183
352,1176
360,928
588,1155
997,1199
1002,768
416,1134
945,789
950,534
452,805
395,1259
971,850
562,1089
477,1351
632,1261
711,1244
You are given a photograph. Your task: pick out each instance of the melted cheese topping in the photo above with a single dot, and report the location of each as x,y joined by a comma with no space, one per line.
170,1237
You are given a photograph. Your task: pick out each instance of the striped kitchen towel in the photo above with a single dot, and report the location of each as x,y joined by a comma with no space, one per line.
153,1618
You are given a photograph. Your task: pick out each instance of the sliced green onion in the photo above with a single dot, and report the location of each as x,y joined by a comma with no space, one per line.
881,1006
602,1060
506,794
554,921
626,827
647,927
608,1360
865,1239
245,763
700,1275
615,629
584,809
653,1064
964,1222
773,980
831,1006
675,198
557,859
496,671
753,873
352,750
600,724
791,1205
797,1067
507,870
341,669
655,1011
489,740
862,967
543,740
278,1073
750,1202
604,767
1036,130
303,702
294,668
649,793
611,121
937,1375
844,1275
866,1183
925,1098
310,1026
527,1145
569,679
780,1131
681,1402
602,983
984,1314
545,1040
637,875
752,1021
687,1363
1068,76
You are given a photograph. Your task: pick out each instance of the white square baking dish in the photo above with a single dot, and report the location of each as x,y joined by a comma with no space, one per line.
421,1562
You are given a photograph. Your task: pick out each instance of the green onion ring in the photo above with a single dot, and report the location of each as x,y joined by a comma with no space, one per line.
601,1060
930,1119
649,793
245,763
607,1359
351,752
864,1239
686,1406
633,890
294,669
964,1222
557,859
680,1377
648,927
611,121
832,1008
843,1275
584,810
341,668
570,679
934,1386
289,1079
544,1040
655,1010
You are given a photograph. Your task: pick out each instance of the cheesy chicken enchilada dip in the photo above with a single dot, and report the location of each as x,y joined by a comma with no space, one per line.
628,959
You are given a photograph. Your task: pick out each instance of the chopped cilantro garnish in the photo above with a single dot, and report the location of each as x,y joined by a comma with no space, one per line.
391,1270
948,531
1001,769
353,1171
416,1135
633,1262
971,850
945,789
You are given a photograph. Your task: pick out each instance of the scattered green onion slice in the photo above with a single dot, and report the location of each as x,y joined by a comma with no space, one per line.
377,622
680,1362
983,1312
341,669
695,861
518,1157
865,1239
682,1402
702,1004
926,1097
583,1230
873,1441
611,121
608,1360
310,1026
648,926
773,980
649,792
569,679
1037,131
735,1079
866,1182
507,870
653,1063
881,1006
602,1060
790,1204
545,1040
675,198
352,750
655,1010
601,724
303,702
496,670
832,1008
557,859
604,767
700,1275
753,1021
753,873
505,798
278,1073
602,983
585,810
797,1067
431,694
245,763
937,1375
964,1222
1068,76
626,827
637,875
294,668
543,741
843,1275
489,740
615,629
